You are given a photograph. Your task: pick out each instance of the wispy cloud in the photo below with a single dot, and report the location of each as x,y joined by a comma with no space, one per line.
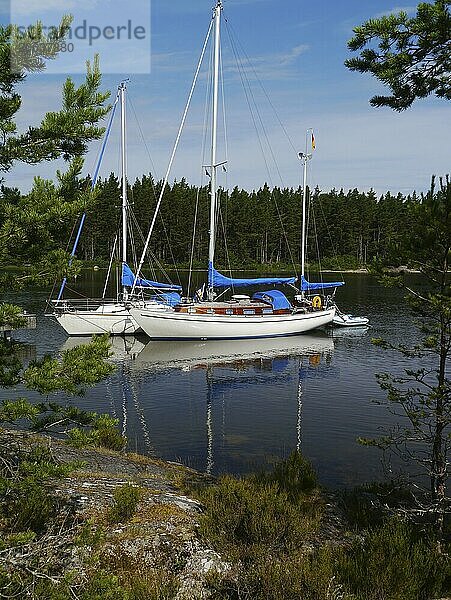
410,10
275,66
38,7
195,7
238,2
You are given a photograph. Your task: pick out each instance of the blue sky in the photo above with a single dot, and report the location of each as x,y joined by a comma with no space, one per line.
297,48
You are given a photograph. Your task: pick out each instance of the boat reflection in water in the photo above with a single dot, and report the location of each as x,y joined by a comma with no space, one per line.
197,354
227,406
121,346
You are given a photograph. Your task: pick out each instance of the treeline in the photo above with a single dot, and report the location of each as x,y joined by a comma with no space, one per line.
254,228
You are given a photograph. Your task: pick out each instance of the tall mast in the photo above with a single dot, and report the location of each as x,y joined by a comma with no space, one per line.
122,89
214,129
305,157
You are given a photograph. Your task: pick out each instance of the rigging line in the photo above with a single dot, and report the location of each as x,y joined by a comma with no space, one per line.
279,120
334,250
262,125
229,266
316,239
93,183
118,235
285,235
141,237
151,253
307,225
179,133
226,142
77,292
131,236
107,278
249,105
203,161
155,196
145,146
247,89
170,249
188,291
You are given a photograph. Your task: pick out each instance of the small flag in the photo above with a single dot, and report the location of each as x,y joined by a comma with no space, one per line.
313,142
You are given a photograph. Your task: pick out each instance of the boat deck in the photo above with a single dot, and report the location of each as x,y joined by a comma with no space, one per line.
231,308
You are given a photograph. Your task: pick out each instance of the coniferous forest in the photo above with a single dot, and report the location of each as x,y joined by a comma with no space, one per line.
346,229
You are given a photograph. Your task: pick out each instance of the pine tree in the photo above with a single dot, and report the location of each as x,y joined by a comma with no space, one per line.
423,395
35,228
412,56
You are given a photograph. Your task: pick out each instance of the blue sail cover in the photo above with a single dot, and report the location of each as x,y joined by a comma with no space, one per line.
128,279
169,298
216,279
307,287
276,298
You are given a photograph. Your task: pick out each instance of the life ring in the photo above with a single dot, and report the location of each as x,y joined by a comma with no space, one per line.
316,302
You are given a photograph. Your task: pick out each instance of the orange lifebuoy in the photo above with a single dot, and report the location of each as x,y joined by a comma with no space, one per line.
316,302
314,360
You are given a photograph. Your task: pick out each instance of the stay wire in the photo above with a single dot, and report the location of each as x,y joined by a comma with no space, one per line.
207,106
166,178
249,95
229,266
258,80
151,254
152,184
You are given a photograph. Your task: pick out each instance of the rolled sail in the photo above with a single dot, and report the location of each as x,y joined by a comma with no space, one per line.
216,279
128,279
311,287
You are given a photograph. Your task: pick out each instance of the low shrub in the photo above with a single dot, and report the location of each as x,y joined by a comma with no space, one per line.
295,476
275,511
293,576
111,439
393,563
125,502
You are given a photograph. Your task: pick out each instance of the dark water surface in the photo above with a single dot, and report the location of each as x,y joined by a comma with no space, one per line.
238,406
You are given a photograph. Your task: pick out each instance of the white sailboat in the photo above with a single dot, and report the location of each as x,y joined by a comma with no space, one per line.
266,314
80,317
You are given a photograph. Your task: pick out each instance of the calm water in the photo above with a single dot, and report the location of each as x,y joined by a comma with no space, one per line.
235,407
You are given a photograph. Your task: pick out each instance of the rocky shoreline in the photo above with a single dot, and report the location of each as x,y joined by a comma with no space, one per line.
153,539
161,534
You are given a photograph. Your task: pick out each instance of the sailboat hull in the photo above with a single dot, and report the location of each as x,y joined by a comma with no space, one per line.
111,320
181,326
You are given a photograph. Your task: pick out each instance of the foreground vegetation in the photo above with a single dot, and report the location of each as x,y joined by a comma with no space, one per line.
275,535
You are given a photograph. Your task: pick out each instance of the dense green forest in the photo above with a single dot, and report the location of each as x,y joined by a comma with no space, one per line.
256,229
346,229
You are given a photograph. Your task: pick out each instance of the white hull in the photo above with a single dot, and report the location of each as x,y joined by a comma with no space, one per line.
341,320
159,354
114,319
170,325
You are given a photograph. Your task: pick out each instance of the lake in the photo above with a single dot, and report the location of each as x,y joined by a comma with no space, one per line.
239,406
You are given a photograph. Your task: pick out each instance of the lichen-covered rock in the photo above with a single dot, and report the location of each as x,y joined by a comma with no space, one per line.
160,535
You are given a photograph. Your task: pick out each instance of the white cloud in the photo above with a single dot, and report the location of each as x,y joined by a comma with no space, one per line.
39,7
410,10
238,2
274,66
